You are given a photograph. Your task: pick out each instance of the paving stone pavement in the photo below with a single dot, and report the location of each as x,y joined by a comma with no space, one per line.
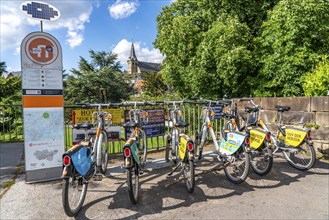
285,193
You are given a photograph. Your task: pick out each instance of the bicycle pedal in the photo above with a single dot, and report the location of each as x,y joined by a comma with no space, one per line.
98,177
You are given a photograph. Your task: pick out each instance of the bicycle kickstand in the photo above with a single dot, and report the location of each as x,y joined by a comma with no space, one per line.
177,166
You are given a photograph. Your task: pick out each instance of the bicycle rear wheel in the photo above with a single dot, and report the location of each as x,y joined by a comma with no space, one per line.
133,184
189,175
238,169
303,158
104,152
261,160
73,194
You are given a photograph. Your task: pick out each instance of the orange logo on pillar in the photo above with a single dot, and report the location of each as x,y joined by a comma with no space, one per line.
42,51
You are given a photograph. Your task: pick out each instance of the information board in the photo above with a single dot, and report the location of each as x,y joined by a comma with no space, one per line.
44,146
43,112
154,127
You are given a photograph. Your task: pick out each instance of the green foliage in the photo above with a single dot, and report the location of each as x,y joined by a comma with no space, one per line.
208,45
316,82
154,85
11,90
237,47
309,126
293,39
11,94
166,96
97,81
2,68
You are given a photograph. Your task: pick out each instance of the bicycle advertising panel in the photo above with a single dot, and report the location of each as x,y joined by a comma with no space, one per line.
82,115
154,127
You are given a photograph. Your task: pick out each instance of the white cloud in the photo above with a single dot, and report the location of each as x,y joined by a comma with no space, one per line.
122,9
15,25
143,53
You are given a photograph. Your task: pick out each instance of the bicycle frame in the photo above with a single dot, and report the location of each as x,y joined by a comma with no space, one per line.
179,141
94,155
131,143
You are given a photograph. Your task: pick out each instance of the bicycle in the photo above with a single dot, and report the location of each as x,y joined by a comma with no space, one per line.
261,154
135,149
86,160
296,144
232,149
181,146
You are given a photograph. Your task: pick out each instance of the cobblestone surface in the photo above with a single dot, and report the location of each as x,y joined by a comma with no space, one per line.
285,193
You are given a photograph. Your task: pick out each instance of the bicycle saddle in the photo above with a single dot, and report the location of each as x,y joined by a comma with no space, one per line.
282,108
182,124
130,124
84,125
249,109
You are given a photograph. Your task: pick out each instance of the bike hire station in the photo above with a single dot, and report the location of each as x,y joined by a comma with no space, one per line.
42,85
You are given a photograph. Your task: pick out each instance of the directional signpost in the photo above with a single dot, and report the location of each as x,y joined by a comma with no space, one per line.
42,85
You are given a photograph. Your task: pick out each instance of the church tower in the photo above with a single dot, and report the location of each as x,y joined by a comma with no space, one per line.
132,61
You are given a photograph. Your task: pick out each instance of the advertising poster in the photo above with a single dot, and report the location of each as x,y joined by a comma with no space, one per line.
113,134
154,127
82,115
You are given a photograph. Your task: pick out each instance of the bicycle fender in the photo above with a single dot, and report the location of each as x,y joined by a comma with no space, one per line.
66,172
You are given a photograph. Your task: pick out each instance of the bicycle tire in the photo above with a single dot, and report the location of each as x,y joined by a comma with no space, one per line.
243,156
104,152
201,136
72,207
133,184
167,148
143,147
261,160
296,162
189,175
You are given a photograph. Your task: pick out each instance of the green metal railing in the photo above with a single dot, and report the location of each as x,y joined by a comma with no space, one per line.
11,123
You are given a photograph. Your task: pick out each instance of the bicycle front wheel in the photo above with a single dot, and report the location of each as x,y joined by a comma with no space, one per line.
261,160
143,147
302,158
133,184
104,152
189,175
238,168
73,194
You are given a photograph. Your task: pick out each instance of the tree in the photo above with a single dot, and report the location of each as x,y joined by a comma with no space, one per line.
97,81
2,68
293,39
209,45
316,82
154,85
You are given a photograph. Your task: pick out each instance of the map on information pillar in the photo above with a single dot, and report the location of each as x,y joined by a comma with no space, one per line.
43,136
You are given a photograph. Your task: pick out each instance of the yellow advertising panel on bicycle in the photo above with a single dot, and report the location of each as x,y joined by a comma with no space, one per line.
257,138
294,137
182,147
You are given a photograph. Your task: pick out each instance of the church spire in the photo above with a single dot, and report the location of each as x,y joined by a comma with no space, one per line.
132,53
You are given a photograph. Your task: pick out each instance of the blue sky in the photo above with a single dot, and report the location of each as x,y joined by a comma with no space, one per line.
84,24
